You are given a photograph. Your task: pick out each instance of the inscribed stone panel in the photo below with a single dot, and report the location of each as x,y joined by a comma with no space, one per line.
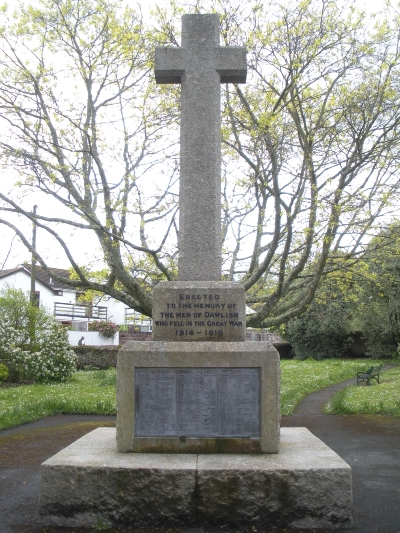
197,402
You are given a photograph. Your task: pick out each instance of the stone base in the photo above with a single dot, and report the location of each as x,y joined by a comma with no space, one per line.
305,486
193,355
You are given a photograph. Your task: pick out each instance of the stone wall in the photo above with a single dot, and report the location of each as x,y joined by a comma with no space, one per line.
106,356
262,335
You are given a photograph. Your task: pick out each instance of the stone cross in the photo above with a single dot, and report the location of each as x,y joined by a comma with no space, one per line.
200,65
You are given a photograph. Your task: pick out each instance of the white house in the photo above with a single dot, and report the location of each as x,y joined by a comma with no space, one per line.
47,292
63,301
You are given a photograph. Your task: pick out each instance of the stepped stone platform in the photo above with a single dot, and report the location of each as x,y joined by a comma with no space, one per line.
305,486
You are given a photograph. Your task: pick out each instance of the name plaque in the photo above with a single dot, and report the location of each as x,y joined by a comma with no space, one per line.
215,312
197,402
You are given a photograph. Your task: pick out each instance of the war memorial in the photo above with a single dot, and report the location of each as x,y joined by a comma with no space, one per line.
198,439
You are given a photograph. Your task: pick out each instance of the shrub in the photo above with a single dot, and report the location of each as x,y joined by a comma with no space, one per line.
25,318
319,333
3,373
52,359
96,357
381,330
55,360
107,329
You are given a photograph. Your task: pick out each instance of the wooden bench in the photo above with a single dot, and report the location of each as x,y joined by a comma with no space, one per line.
372,373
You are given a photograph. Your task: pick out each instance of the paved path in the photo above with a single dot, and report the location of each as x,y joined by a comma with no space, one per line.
369,444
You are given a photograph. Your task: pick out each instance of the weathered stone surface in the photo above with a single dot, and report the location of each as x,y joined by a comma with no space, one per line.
197,402
306,485
90,478
200,65
199,311
157,354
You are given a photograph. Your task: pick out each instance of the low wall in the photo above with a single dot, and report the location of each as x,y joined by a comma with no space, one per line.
105,356
92,338
96,356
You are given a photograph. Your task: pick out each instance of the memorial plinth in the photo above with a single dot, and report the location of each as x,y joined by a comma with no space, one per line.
199,311
198,397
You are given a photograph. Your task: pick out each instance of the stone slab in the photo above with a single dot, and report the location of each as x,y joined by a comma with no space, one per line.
204,355
199,311
305,486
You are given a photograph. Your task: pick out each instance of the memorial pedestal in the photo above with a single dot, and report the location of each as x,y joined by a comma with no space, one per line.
199,311
198,397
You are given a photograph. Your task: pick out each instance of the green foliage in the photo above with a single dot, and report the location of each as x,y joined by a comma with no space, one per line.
96,357
300,378
107,329
93,392
26,319
321,332
100,525
84,393
378,310
3,373
310,143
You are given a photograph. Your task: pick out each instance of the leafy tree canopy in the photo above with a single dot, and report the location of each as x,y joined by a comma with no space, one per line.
378,309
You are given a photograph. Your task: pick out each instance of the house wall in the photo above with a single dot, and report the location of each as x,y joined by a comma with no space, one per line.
21,280
68,297
115,311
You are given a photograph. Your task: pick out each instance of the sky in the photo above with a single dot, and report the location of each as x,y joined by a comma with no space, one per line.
12,252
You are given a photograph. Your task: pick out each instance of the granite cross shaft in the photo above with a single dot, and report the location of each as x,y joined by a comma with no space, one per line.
200,65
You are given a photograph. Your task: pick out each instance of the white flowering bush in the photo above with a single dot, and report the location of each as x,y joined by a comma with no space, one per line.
50,358
55,360
9,342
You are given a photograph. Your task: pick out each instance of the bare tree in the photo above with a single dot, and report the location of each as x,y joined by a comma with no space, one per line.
317,134
81,123
310,143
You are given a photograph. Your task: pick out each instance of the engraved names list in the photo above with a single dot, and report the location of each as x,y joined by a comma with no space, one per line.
197,402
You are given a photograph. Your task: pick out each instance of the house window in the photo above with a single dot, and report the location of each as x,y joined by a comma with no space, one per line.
37,298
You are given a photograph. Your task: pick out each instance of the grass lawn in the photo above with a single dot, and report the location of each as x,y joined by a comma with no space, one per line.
382,399
93,392
300,378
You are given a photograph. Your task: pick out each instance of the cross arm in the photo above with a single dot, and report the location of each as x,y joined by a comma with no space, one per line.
231,64
169,64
